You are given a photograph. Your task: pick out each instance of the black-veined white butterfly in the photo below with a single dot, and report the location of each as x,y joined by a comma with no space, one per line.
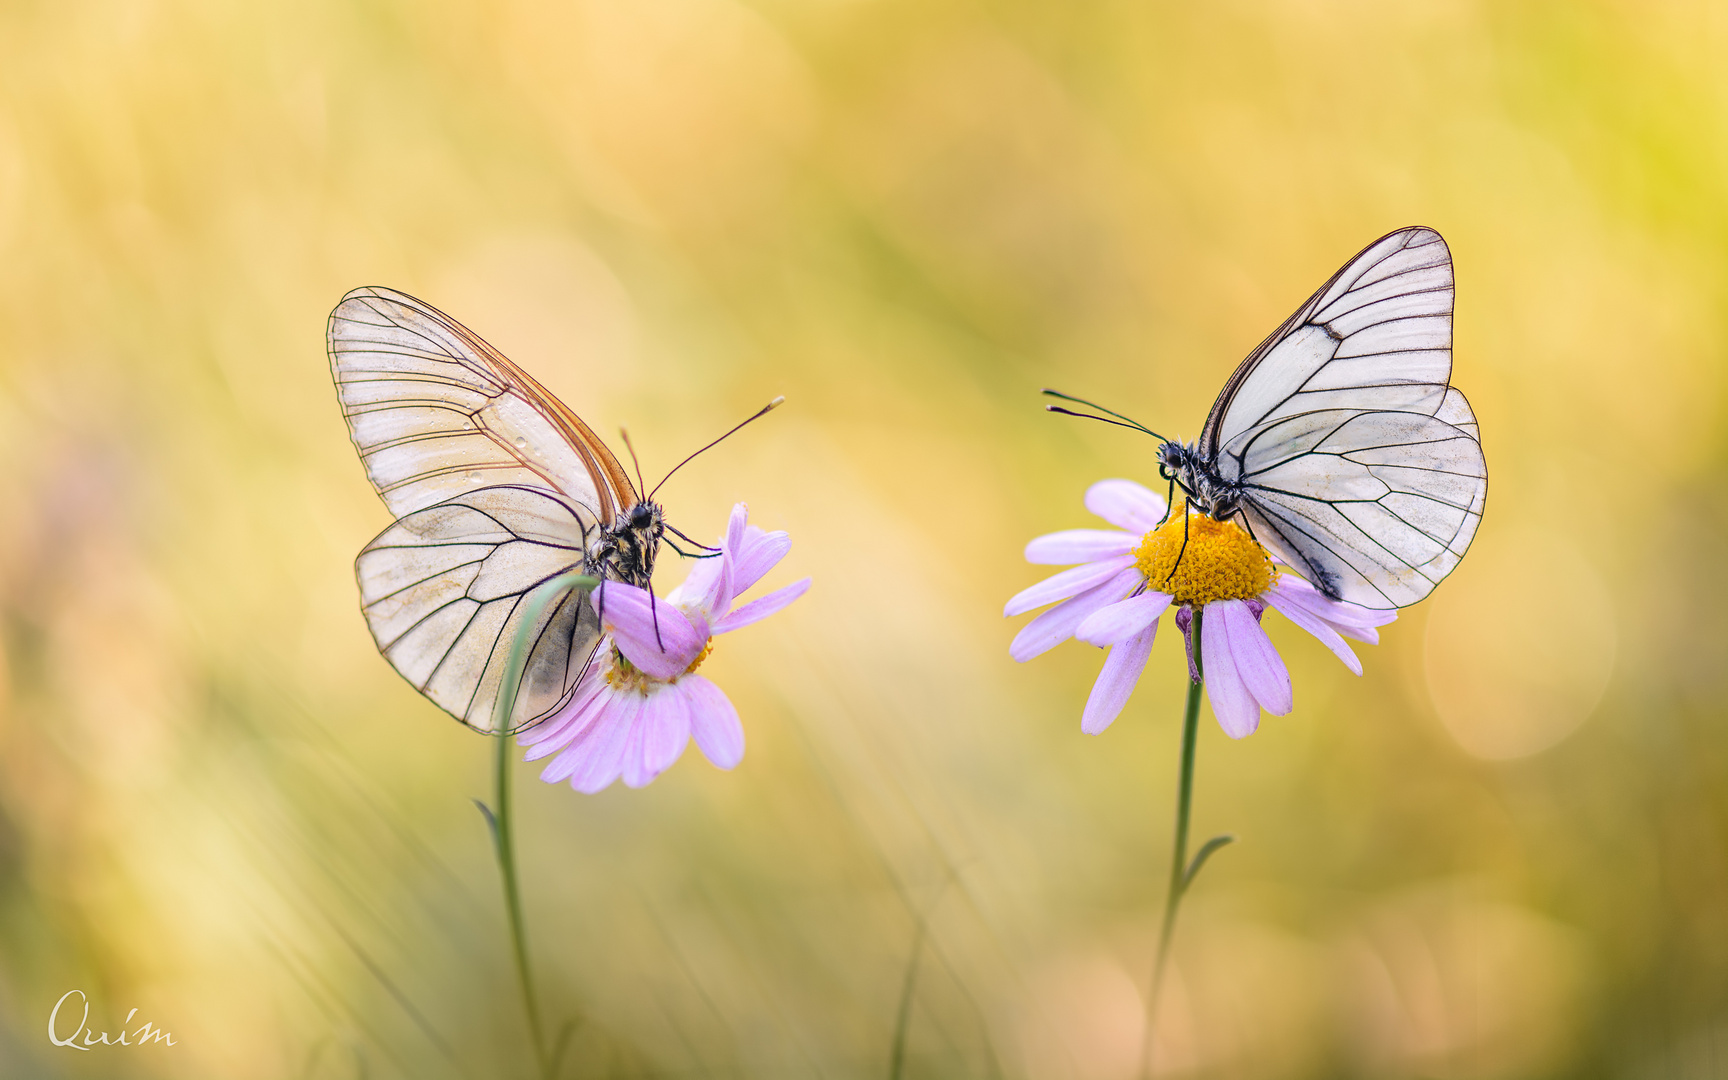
497,487
1340,442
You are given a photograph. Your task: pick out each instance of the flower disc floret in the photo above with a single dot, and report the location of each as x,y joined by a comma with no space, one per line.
1221,561
623,675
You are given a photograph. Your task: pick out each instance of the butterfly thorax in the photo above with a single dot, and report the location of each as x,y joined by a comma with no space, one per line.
625,550
1197,475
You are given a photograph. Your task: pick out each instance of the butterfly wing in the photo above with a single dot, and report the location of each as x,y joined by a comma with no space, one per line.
497,487
444,591
436,412
1361,466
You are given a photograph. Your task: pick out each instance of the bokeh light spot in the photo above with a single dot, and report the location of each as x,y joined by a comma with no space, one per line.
1520,646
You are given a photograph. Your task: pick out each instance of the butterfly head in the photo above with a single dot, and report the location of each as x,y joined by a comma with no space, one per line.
1173,459
1198,477
1180,465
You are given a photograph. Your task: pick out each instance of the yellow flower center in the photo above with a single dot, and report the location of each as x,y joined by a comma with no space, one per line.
1222,562
701,656
623,675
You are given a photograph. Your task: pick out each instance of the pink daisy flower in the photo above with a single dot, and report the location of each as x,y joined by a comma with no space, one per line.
1129,576
641,701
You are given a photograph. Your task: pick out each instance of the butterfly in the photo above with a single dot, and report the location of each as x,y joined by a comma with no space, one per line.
1340,442
497,487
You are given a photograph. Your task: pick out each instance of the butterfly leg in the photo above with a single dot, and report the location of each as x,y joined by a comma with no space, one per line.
1181,551
712,551
654,613
711,554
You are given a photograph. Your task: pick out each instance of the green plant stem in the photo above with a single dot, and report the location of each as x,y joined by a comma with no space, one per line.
506,847
903,1017
1181,874
503,832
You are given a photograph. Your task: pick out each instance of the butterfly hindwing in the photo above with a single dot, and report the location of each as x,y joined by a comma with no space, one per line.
444,591
1359,464
1379,511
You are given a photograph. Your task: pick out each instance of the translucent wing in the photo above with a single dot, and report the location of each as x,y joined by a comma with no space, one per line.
444,591
436,412
1361,466
497,487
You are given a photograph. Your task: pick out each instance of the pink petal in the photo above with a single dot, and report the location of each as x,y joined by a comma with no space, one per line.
1126,505
604,757
1123,619
1066,584
1351,620
1261,668
724,585
713,721
1117,680
603,720
1312,623
701,587
762,607
1055,626
631,617
756,556
1237,711
1079,545
661,730
630,762
721,602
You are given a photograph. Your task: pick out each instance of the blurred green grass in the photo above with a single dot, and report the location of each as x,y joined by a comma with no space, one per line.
1501,854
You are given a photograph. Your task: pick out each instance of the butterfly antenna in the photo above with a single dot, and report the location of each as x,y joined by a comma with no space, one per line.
759,414
1119,421
625,434
1102,419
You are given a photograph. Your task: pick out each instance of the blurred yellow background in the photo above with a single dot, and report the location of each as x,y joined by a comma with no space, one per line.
1501,854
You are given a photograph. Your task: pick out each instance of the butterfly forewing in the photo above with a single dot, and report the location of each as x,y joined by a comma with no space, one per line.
1359,464
497,487
436,412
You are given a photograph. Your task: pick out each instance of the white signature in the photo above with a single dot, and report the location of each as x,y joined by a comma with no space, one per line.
147,1032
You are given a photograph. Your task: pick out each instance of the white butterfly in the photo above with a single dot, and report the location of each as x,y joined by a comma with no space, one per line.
1340,441
497,487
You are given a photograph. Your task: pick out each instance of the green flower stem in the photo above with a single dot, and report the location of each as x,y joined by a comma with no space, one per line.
903,1017
506,848
503,834
1182,872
